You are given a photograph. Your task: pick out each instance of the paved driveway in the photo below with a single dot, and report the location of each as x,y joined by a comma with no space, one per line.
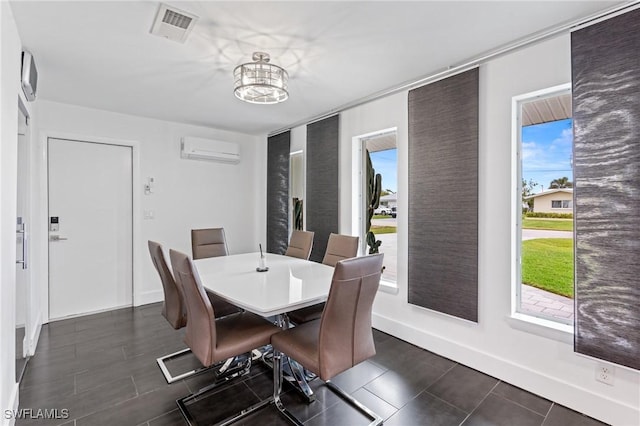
389,247
530,234
385,222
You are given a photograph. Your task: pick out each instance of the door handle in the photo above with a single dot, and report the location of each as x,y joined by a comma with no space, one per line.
23,234
56,238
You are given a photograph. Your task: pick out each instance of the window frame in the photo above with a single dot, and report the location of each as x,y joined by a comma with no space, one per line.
516,315
358,167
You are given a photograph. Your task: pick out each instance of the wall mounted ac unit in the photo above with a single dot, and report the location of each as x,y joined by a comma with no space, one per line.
211,150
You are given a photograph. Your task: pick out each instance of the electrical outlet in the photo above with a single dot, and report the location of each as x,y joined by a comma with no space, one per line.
605,373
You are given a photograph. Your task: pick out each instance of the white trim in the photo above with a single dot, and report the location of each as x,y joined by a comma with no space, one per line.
35,335
84,314
388,287
136,183
522,376
151,296
533,322
542,327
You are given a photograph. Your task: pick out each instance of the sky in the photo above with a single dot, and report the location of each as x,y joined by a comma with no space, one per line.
547,152
386,163
546,155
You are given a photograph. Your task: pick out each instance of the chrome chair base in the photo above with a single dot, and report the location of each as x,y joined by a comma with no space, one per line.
240,369
376,420
165,371
222,366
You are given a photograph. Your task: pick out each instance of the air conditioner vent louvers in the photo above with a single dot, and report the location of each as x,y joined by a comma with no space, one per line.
176,19
172,23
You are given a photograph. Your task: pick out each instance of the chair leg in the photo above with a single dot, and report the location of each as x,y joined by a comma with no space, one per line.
376,420
222,366
299,375
224,377
165,371
277,388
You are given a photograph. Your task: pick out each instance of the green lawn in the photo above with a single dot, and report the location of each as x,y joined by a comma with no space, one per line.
381,216
551,224
547,263
383,229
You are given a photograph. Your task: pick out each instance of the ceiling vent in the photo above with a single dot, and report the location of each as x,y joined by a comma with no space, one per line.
172,23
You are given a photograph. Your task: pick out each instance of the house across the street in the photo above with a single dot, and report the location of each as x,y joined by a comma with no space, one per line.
558,200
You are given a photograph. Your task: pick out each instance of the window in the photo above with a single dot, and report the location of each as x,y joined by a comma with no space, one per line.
296,191
561,204
543,207
381,148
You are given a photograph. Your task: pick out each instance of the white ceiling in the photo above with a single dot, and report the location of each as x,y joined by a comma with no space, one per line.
101,55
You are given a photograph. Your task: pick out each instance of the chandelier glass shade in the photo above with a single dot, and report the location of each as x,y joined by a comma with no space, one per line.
260,82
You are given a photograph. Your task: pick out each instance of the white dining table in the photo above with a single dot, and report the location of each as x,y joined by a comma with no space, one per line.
289,284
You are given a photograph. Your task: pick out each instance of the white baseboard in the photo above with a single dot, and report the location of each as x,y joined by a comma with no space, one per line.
35,335
572,396
12,405
146,297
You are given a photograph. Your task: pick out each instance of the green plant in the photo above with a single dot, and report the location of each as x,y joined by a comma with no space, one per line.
527,191
562,182
374,186
550,215
298,221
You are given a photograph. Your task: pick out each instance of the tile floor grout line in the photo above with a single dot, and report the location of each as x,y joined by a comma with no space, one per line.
518,404
547,415
439,399
419,393
163,414
135,386
481,401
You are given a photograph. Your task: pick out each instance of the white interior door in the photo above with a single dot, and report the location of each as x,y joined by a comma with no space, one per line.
90,246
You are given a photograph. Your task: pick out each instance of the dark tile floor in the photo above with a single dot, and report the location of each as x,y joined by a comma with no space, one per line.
102,369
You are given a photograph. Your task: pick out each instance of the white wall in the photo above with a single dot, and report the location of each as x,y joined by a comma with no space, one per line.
187,194
9,92
542,365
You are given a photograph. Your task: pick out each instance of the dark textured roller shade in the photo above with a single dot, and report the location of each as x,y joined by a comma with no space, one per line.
443,196
322,182
606,104
278,148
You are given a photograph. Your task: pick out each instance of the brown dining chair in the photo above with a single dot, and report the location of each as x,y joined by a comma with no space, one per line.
212,339
209,242
174,309
339,247
341,338
300,244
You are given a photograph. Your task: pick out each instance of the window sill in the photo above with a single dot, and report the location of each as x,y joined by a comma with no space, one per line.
388,287
541,327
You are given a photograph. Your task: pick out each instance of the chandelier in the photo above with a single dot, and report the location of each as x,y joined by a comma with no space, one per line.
260,82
